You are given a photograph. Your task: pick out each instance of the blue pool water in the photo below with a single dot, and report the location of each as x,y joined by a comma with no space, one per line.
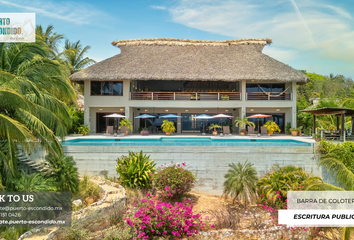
180,141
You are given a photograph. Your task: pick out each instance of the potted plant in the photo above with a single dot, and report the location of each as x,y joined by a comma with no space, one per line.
84,130
317,137
144,132
168,127
300,128
242,122
287,127
225,97
271,127
127,123
214,126
243,132
294,131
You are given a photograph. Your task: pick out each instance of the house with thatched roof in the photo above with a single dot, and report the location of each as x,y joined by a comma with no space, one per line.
188,78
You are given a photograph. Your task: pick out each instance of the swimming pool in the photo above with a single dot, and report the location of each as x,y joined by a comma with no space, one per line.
180,141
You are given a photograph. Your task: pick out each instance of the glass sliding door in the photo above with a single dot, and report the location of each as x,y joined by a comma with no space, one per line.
190,124
102,122
278,118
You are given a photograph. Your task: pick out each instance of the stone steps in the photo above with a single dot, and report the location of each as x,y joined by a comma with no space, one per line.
29,166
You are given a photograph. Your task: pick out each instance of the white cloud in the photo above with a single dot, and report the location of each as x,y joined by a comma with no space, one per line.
75,12
301,27
159,7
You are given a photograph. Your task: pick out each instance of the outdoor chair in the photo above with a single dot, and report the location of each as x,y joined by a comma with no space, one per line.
109,130
154,129
123,130
251,131
264,131
226,130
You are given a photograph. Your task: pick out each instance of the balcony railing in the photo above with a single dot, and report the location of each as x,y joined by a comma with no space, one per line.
268,96
202,96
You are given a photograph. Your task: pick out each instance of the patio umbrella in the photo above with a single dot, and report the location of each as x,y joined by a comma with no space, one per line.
145,116
115,115
221,115
170,116
203,116
259,116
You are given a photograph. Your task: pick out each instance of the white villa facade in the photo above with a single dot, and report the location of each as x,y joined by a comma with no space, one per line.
188,78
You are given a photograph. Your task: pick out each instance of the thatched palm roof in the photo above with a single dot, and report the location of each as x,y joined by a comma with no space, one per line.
178,59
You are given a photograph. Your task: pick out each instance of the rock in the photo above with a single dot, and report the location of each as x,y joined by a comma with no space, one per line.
89,200
77,202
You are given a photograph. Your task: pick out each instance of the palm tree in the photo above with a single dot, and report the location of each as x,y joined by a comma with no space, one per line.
242,122
74,56
334,162
241,182
50,38
32,90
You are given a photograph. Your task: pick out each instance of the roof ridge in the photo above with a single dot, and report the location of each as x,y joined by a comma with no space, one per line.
185,42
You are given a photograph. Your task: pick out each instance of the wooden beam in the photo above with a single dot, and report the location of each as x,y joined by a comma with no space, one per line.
329,113
342,123
337,123
314,123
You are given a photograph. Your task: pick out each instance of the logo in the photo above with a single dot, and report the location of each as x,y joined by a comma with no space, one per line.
17,27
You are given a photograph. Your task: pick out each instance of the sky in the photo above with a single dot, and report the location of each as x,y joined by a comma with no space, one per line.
312,35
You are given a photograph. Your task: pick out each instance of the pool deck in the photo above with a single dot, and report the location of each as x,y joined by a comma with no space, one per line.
307,139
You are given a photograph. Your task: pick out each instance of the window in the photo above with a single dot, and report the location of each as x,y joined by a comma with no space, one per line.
103,88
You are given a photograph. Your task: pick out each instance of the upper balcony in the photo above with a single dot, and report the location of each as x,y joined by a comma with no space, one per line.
193,96
208,91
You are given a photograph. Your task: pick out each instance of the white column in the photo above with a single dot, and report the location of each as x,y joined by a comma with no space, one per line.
128,113
243,111
293,117
179,124
243,91
87,117
293,110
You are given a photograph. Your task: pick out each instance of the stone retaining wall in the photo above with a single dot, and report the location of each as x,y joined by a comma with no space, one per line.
208,163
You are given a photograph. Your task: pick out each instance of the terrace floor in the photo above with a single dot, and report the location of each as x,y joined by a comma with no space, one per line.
194,135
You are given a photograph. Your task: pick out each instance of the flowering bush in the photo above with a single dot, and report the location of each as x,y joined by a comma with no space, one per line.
157,218
174,180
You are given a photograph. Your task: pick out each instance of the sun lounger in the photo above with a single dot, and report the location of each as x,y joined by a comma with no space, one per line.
109,130
226,130
251,131
264,131
123,130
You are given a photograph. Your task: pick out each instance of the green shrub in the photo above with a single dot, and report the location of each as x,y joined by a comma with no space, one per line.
116,214
63,172
135,170
77,118
120,233
12,233
274,186
84,130
77,231
88,189
325,147
173,181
